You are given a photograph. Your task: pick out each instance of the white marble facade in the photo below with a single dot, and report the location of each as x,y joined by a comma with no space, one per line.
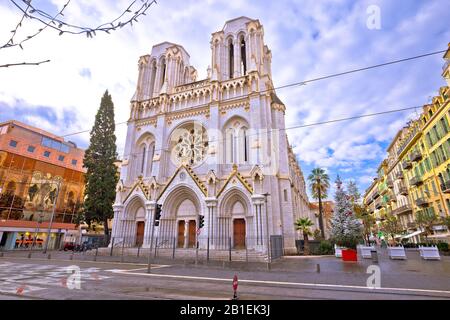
212,147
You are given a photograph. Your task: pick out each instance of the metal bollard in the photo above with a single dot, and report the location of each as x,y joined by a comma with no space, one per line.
139,249
229,249
71,256
207,251
374,255
96,254
112,248
318,268
29,255
49,256
174,246
123,245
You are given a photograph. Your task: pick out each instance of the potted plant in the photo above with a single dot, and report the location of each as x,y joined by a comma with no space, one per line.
346,229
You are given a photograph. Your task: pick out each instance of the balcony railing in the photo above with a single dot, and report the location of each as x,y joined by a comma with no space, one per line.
390,183
445,187
375,195
402,210
416,156
408,140
406,164
403,190
399,175
411,225
415,181
378,204
422,202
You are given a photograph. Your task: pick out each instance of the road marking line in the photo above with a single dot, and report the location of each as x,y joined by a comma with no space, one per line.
299,284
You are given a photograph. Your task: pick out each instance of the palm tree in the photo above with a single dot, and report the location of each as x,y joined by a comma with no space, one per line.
319,182
304,225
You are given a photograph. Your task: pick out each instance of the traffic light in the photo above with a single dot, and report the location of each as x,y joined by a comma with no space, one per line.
157,214
201,222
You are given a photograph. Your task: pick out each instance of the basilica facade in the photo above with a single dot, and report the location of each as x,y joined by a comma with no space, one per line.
214,149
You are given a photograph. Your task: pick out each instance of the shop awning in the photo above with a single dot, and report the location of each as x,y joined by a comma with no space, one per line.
415,233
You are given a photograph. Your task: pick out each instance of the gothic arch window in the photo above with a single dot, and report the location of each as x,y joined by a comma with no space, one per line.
242,144
180,75
230,58
163,72
189,144
142,156
243,62
150,154
152,78
229,146
186,75
236,142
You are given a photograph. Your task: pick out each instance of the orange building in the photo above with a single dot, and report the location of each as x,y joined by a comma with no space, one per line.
39,171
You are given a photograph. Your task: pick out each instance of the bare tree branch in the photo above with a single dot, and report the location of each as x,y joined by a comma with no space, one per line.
10,43
57,23
23,64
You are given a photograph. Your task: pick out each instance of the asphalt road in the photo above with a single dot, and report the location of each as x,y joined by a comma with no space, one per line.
292,278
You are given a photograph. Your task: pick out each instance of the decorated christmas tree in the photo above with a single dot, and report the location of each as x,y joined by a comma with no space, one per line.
346,229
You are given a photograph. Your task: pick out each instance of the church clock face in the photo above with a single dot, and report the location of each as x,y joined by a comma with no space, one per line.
189,145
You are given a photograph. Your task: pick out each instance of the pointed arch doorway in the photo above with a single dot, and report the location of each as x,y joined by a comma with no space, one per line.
239,233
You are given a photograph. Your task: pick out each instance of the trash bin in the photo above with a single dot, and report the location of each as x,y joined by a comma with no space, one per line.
374,255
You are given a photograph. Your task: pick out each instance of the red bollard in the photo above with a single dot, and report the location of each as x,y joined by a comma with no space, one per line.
235,287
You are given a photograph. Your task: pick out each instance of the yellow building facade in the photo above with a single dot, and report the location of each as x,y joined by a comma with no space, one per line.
415,177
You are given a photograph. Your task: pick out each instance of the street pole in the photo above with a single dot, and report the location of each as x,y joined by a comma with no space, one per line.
51,219
322,231
196,239
151,241
37,230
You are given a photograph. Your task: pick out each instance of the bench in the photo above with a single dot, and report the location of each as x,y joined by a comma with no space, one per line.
366,251
397,253
429,253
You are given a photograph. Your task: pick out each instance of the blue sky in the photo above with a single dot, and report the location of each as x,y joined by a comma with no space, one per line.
308,39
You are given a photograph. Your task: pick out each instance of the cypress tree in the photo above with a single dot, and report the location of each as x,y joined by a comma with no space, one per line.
101,177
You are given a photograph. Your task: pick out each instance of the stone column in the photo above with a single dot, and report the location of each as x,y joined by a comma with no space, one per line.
237,65
117,208
211,220
259,221
149,210
186,233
